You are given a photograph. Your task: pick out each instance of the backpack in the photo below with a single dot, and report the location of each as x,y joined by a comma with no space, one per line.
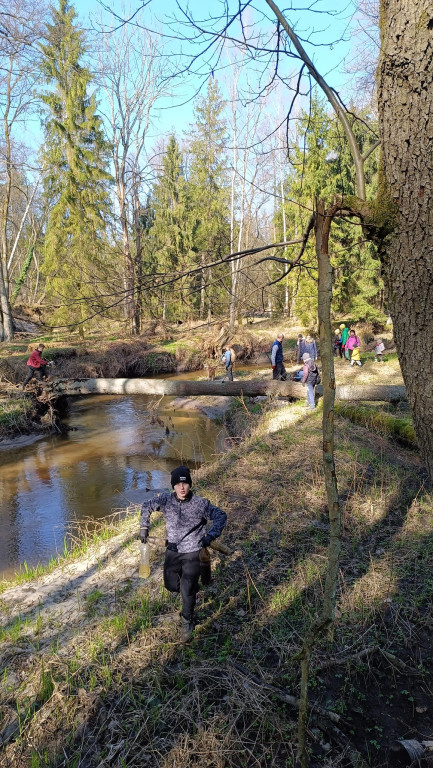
232,355
314,376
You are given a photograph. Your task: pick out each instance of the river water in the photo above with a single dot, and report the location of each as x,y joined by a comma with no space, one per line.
114,451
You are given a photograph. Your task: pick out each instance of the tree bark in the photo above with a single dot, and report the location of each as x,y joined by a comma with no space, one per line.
178,388
405,98
325,620
251,388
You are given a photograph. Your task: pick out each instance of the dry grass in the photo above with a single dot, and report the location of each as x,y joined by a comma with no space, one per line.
115,686
110,685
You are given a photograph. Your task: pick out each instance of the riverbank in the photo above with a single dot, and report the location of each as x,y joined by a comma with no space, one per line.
95,675
161,350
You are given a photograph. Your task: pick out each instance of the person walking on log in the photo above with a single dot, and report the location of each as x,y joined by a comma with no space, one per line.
227,359
36,364
185,516
278,369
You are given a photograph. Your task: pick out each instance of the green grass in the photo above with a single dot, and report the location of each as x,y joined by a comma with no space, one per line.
27,573
14,413
380,421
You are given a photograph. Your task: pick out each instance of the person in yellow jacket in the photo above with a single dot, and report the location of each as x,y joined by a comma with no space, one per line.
356,355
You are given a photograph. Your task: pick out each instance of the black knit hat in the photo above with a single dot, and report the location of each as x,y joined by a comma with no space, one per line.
180,475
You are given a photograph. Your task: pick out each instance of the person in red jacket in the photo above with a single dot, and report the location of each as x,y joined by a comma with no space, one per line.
36,363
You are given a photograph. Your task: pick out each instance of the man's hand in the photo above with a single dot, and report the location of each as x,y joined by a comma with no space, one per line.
273,367
143,535
206,540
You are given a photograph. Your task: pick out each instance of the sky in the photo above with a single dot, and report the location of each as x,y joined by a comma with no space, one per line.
326,31
324,27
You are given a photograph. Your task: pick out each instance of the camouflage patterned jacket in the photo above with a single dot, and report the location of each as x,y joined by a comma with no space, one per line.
181,516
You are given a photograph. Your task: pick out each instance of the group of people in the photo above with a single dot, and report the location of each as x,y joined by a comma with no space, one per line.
186,515
348,345
306,352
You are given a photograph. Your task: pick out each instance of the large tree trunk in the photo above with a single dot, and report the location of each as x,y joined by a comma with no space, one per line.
405,97
187,388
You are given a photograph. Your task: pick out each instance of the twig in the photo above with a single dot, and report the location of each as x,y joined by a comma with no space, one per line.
398,662
286,697
334,661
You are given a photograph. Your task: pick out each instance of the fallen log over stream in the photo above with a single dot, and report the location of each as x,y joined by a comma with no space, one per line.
247,388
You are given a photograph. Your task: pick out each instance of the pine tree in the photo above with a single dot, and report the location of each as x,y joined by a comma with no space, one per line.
322,168
173,230
75,157
210,195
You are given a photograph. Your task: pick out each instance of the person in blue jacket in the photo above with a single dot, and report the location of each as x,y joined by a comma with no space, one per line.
309,345
186,517
278,369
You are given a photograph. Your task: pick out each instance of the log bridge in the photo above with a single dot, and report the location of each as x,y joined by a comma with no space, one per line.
247,388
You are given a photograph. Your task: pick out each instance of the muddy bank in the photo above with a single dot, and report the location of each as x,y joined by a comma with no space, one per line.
212,407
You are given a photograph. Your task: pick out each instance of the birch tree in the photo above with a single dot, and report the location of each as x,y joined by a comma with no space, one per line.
131,74
20,29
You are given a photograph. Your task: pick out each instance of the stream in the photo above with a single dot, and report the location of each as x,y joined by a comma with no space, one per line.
113,451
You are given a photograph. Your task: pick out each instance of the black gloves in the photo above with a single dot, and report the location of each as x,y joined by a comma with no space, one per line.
144,533
206,540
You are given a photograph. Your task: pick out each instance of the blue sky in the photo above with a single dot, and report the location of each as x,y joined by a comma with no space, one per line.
326,27
325,30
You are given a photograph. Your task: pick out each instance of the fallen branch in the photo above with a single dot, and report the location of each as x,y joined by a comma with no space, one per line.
282,695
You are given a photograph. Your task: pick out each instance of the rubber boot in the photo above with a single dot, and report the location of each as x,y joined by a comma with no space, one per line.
187,629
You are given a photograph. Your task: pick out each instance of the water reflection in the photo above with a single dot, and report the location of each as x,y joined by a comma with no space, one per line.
113,453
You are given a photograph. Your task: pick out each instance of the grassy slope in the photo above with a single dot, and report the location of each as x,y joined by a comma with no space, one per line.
99,677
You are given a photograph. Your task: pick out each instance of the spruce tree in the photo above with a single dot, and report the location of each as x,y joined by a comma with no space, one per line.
75,158
173,231
322,167
209,188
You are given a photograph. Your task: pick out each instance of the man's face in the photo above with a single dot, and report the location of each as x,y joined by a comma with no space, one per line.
181,490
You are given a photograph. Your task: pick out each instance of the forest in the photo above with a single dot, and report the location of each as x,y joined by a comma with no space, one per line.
102,223
174,180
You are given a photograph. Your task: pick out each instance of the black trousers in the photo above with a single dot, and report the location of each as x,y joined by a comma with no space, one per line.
31,372
279,372
181,574
229,372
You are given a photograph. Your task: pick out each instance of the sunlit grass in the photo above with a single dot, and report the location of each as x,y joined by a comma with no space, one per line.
124,656
80,547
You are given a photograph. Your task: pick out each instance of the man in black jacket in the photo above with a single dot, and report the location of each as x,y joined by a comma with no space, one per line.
185,516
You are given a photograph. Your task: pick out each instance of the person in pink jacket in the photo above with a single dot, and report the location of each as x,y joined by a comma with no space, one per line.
352,341
36,363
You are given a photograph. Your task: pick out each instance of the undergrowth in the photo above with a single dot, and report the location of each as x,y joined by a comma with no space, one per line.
116,687
379,420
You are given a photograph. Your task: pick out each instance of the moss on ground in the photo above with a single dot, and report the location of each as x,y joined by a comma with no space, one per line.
384,422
